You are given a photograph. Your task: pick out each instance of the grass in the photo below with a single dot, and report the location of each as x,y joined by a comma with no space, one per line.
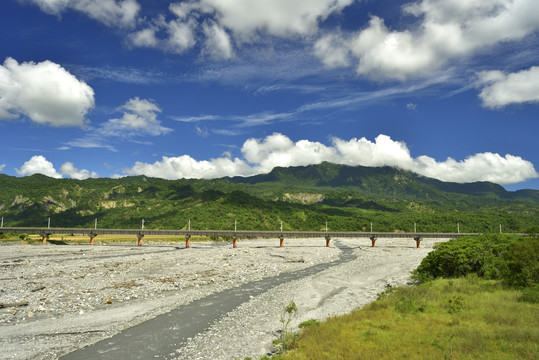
467,318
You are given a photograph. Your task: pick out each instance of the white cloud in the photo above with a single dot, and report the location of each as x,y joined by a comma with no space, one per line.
333,50
2,166
92,141
382,152
43,92
175,36
283,18
503,89
223,22
262,155
181,36
279,150
38,165
218,43
187,167
68,169
188,119
139,118
446,29
115,13
411,106
145,38
499,169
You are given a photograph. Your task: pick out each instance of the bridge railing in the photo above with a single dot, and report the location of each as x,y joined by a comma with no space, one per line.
45,232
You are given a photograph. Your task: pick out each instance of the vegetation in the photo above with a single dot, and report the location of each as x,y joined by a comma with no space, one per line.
465,318
512,259
288,339
303,198
479,300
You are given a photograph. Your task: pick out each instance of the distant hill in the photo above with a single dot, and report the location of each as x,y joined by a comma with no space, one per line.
303,197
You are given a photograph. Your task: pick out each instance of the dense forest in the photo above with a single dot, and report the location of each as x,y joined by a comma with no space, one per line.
303,198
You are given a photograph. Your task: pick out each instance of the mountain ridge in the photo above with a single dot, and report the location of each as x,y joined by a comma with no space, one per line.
346,175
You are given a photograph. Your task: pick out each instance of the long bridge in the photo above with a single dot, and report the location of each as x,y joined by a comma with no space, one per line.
45,232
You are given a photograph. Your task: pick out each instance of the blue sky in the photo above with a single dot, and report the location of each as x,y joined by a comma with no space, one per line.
208,88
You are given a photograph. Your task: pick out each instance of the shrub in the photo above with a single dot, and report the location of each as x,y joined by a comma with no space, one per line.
521,263
481,255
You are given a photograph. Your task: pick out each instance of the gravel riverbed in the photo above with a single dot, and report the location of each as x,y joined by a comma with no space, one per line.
55,299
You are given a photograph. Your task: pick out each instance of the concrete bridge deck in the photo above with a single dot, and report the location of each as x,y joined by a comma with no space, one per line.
229,233
44,232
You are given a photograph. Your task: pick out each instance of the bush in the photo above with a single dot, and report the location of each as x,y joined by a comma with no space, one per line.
521,263
513,259
481,255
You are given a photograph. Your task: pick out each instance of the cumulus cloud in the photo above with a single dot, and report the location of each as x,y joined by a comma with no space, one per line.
115,13
68,169
500,89
262,155
499,169
279,150
2,166
187,167
220,23
446,29
283,18
43,92
139,118
38,165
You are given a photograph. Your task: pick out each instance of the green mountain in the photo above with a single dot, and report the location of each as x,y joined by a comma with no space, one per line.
303,198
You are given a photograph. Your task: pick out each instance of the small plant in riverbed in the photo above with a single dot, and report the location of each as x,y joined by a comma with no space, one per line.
288,339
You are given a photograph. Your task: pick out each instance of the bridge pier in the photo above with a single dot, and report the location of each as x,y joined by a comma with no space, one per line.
187,241
139,237
373,241
92,236
328,239
281,241
44,237
234,241
418,241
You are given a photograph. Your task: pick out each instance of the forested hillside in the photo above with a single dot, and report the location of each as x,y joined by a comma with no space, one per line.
303,198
